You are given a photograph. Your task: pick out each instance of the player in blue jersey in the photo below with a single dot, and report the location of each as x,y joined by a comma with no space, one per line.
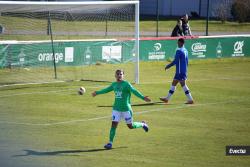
181,63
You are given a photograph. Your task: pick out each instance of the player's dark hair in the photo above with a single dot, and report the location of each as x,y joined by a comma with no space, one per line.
181,40
119,70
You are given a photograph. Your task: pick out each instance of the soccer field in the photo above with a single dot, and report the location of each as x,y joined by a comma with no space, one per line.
50,125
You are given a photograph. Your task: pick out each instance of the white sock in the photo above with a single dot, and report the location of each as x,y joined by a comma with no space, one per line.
187,93
171,92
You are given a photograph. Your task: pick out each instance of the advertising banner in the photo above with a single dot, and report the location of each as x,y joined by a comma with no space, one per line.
198,48
75,53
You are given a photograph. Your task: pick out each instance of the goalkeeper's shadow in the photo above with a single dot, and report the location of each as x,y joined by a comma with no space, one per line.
62,152
150,104
142,104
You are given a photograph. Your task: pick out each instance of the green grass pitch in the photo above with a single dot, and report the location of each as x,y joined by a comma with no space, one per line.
50,125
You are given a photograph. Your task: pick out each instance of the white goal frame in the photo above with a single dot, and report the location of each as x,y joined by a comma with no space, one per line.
137,29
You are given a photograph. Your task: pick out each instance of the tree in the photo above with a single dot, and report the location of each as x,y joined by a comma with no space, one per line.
241,10
222,10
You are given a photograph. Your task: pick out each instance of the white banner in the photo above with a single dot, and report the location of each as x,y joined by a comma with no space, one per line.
111,52
69,54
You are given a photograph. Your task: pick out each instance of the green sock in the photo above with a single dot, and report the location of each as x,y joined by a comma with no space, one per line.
137,125
112,134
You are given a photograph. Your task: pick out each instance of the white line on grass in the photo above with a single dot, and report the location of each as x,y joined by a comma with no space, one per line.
36,83
46,92
105,117
31,83
31,93
205,79
58,91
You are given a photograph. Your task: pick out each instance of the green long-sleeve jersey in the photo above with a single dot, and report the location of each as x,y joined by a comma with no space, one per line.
122,92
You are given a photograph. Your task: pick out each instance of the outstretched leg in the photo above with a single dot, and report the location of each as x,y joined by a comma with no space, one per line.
128,116
136,125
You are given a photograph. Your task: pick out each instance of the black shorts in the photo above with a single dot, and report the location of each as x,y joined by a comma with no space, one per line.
180,77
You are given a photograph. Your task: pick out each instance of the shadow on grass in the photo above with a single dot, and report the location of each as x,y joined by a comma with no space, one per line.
63,152
143,104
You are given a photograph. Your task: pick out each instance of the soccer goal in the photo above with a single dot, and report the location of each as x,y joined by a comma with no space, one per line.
61,41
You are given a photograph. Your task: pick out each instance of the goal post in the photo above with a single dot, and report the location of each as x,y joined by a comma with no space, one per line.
58,39
137,44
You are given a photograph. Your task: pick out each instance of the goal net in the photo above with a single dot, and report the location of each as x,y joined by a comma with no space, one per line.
62,41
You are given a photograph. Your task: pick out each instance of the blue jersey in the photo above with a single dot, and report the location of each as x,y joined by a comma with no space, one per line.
180,61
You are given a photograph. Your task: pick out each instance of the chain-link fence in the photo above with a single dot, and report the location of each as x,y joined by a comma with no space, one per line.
205,17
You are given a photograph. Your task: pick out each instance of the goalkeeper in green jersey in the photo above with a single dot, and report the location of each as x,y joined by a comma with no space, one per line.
122,107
